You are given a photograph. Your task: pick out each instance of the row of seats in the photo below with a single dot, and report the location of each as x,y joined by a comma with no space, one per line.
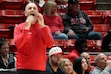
20,4
13,4
87,4
17,16
102,28
5,32
11,16
99,16
66,45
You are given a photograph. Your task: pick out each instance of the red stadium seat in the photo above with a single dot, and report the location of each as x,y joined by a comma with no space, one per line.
92,58
11,16
91,45
70,42
101,27
5,26
94,45
96,19
87,4
59,43
69,45
98,44
96,16
12,19
12,4
11,12
5,33
94,12
108,19
107,15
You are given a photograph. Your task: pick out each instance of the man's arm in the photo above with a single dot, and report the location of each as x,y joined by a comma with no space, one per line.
107,70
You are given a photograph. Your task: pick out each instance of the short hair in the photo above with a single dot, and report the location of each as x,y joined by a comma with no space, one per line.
96,59
82,54
29,3
2,42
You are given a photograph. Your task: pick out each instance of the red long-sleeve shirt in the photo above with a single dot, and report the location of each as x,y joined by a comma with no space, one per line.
54,22
31,46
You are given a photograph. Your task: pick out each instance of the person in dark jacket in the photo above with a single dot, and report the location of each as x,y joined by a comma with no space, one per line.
77,23
7,60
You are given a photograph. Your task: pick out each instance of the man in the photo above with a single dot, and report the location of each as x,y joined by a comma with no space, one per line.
80,46
88,59
103,65
31,39
55,56
77,23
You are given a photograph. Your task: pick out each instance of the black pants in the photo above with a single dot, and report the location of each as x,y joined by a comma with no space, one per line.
24,71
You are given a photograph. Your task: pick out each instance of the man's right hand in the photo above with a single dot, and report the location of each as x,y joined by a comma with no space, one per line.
71,33
29,21
108,63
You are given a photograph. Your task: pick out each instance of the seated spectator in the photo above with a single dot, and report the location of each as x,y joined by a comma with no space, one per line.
80,65
7,60
103,65
88,60
78,24
55,56
54,20
80,46
67,66
106,42
62,6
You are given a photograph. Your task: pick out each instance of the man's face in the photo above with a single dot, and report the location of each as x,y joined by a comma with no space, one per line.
56,59
88,59
102,61
31,9
74,7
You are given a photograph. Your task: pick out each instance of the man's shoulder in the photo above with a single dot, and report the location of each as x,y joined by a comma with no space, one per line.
61,71
48,67
49,70
96,70
20,25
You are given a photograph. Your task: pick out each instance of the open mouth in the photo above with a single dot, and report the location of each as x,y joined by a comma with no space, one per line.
33,14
